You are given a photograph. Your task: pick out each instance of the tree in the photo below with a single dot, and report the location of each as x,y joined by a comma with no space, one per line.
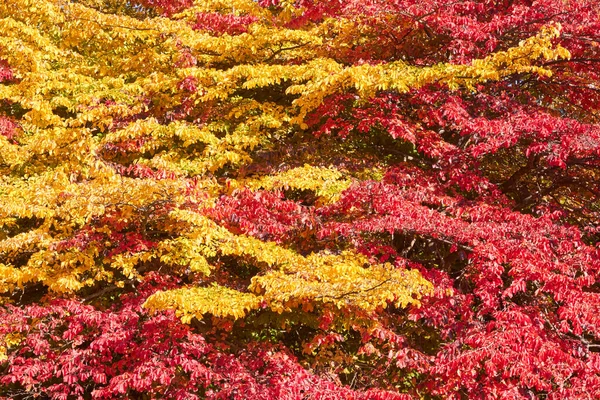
299,199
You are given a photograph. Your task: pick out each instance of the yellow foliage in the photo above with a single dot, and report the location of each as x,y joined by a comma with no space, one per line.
291,280
327,183
345,280
195,302
10,340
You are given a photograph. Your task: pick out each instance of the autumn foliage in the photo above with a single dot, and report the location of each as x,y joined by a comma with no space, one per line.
300,199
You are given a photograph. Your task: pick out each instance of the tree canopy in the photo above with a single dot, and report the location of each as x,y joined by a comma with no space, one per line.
300,199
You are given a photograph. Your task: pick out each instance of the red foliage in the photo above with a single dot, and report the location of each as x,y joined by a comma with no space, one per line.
165,7
70,348
6,73
523,300
262,214
8,128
